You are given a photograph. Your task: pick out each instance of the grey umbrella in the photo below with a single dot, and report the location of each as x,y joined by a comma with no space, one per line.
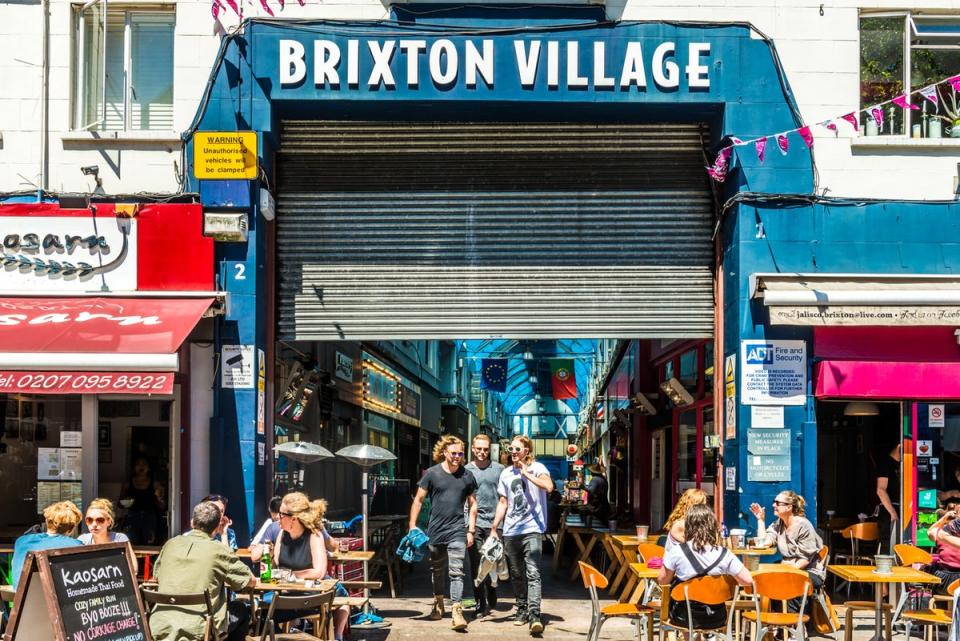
303,452
366,456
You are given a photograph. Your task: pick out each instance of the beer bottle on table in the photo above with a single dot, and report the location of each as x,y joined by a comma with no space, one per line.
266,563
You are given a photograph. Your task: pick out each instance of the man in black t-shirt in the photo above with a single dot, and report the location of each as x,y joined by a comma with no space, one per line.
448,485
888,491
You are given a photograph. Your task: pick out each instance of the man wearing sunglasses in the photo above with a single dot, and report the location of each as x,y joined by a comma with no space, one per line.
522,509
487,474
449,485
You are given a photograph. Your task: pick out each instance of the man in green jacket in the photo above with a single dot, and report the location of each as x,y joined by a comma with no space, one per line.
195,563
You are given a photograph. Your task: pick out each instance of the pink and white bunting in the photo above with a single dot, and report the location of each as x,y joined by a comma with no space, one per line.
718,171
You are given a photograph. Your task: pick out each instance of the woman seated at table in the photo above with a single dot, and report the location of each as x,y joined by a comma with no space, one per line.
946,534
702,554
795,537
99,520
301,546
598,506
676,522
61,520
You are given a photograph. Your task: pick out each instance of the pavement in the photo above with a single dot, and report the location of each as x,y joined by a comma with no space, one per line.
565,613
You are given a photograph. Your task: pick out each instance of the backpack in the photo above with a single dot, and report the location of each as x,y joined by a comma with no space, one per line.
705,616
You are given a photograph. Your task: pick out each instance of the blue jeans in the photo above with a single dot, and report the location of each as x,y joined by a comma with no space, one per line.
523,558
447,558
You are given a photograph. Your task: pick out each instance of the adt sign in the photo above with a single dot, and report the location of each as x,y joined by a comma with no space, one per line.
760,354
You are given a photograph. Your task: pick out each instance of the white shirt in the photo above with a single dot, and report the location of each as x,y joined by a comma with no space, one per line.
674,559
526,502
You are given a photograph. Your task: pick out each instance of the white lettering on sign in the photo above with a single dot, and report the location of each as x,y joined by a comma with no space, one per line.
89,576
81,317
773,372
585,64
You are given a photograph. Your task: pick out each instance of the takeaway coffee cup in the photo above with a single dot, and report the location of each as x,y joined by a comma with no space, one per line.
738,539
642,531
751,562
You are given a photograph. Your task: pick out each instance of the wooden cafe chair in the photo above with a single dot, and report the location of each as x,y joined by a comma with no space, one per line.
319,603
152,598
593,580
932,618
710,590
647,551
908,556
779,586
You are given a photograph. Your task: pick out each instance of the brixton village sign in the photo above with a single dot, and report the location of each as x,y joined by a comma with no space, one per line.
385,64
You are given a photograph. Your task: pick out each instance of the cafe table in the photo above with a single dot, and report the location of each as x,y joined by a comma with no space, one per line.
586,539
566,522
623,551
867,574
351,555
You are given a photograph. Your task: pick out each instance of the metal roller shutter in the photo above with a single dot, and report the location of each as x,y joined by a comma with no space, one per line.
483,230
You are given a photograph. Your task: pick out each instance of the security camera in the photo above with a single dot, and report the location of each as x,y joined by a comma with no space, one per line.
90,170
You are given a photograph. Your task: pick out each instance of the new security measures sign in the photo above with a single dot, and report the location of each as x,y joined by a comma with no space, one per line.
773,372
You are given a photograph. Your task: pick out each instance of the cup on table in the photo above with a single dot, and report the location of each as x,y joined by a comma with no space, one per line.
751,562
642,531
757,541
884,563
738,539
344,545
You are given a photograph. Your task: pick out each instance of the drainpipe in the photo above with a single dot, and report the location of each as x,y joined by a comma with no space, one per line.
45,100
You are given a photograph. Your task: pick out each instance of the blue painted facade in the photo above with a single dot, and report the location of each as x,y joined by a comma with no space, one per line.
747,96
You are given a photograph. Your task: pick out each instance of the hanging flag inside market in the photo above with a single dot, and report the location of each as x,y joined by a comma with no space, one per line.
563,378
493,374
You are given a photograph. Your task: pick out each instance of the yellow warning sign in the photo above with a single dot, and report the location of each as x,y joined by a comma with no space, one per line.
225,155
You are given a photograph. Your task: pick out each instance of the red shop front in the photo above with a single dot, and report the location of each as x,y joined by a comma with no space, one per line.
101,329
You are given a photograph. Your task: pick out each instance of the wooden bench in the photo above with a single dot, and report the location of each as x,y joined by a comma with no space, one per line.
351,601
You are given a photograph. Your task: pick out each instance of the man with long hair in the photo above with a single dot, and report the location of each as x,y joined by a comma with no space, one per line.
522,509
448,484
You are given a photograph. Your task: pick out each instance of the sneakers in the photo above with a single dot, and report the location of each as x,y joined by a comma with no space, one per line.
536,626
437,612
521,617
459,621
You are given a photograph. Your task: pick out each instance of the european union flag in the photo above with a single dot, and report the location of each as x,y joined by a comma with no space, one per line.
493,374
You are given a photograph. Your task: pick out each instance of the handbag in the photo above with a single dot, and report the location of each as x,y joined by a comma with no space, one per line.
824,621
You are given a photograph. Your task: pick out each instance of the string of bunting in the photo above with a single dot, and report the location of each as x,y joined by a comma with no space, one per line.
718,171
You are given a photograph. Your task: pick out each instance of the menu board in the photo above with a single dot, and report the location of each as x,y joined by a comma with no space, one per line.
86,593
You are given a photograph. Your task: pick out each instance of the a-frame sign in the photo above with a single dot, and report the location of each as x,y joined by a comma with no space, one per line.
85,593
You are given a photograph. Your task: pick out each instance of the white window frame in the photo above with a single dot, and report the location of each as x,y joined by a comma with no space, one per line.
910,29
79,99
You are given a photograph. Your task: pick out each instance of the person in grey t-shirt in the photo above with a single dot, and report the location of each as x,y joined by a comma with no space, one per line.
487,474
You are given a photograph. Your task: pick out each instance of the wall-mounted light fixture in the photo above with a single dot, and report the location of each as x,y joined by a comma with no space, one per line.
640,403
676,392
861,408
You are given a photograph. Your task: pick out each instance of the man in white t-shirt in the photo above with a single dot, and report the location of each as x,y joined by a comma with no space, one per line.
522,509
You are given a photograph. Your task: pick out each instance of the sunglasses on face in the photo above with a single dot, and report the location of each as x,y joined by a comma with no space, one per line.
286,514
481,449
455,454
99,520
517,450
780,503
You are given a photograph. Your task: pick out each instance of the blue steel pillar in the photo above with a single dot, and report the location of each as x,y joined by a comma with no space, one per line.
236,468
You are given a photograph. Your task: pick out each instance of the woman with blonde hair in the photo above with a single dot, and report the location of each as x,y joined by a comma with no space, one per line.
676,522
301,547
99,520
61,520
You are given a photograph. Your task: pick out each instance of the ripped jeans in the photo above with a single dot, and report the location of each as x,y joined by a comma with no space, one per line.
448,558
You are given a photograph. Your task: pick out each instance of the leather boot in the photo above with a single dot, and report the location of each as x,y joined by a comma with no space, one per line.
459,621
437,612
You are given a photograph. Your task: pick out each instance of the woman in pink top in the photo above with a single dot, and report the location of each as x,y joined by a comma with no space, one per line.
946,533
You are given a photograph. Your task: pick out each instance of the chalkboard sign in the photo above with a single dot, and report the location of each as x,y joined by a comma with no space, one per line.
86,593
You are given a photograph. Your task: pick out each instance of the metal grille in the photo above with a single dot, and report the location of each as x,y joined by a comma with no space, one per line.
483,230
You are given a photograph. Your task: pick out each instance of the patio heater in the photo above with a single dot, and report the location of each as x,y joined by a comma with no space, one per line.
302,453
367,457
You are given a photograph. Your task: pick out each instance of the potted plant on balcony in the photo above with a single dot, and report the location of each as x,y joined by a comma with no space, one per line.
951,108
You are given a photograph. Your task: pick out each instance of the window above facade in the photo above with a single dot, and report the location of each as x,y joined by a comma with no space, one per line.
902,53
124,69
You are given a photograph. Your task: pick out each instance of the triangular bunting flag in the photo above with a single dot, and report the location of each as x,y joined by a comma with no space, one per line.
717,176
877,114
930,93
236,9
852,119
761,146
266,7
830,125
955,83
783,143
901,101
735,140
806,135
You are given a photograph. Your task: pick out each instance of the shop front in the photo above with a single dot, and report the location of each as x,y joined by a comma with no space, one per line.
97,313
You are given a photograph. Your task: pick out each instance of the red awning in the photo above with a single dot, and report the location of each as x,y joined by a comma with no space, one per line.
126,325
887,380
89,335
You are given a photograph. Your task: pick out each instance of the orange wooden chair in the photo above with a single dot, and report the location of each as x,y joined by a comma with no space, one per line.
932,617
647,551
779,586
711,590
909,555
593,580
859,534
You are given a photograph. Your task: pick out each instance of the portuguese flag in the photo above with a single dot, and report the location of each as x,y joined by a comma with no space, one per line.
563,378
